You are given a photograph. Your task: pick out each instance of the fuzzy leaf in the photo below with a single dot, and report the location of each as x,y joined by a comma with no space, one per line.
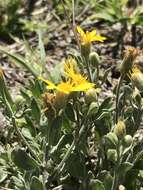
23,160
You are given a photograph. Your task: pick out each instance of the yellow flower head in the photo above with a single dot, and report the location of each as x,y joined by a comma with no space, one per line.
79,81
75,81
65,87
88,37
70,71
70,67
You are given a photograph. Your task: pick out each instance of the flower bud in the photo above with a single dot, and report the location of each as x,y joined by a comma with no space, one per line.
127,140
120,129
94,59
130,55
91,96
112,155
111,139
19,100
121,187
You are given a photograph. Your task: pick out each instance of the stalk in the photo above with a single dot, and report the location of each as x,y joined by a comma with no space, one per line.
117,97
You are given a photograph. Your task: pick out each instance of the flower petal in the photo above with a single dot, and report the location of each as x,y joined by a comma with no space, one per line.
98,38
80,31
50,84
84,86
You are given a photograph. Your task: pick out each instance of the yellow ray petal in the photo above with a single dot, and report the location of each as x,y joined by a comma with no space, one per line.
98,38
92,33
50,84
84,86
80,31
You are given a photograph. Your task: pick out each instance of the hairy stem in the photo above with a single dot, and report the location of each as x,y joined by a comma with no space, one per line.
117,97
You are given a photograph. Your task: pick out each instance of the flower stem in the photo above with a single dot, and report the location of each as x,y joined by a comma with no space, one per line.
117,97
116,172
86,60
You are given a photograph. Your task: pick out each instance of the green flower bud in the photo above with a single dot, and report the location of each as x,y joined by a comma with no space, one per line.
112,155
111,139
127,140
93,108
19,100
91,96
94,59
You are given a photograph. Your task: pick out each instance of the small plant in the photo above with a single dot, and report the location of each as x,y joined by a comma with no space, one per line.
62,132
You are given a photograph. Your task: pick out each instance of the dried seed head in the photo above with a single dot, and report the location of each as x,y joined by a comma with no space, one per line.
129,58
49,109
54,102
48,97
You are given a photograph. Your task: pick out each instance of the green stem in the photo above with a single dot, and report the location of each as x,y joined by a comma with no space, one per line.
116,172
117,97
86,60
97,74
22,138
114,181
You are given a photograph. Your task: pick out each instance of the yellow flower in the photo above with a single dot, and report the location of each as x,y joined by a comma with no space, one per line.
80,81
88,37
75,81
70,67
65,87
